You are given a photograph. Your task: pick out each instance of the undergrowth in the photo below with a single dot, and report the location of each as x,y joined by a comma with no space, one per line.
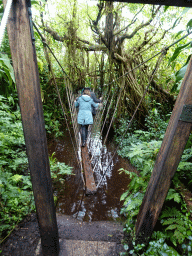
16,196
173,233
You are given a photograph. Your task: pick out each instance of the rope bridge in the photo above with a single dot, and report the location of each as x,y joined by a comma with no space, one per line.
94,141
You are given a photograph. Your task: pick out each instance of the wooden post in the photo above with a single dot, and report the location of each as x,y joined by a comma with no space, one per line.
28,87
167,161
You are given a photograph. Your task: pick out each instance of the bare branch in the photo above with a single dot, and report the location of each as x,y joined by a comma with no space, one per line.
126,36
132,22
125,28
94,23
85,46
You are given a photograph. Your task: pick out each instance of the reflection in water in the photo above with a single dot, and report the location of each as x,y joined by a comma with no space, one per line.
105,204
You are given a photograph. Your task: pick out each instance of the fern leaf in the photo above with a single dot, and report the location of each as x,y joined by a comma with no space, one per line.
171,227
179,236
170,212
169,221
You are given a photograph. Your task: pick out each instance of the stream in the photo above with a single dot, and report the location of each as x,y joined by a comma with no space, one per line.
105,204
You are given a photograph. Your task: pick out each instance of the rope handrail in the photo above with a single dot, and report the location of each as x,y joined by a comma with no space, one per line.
5,19
162,52
59,96
145,61
131,121
165,49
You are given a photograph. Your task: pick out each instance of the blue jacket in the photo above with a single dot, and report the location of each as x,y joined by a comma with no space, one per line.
84,103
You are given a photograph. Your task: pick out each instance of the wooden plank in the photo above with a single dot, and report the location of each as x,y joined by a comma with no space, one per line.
179,3
88,172
167,161
28,87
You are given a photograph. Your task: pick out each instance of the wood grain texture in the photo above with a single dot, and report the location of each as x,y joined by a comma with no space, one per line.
28,87
88,172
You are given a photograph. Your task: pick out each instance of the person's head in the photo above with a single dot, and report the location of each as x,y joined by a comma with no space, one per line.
87,91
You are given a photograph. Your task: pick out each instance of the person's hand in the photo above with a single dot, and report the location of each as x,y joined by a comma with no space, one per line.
101,98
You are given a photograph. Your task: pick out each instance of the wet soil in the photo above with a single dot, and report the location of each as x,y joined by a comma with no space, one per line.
23,240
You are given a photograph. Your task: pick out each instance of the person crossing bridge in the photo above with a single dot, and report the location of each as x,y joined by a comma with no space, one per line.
85,117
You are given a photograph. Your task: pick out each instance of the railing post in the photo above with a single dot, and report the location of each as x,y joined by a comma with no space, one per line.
28,87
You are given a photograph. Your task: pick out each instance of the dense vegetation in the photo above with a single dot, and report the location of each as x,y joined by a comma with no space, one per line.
98,53
16,197
173,234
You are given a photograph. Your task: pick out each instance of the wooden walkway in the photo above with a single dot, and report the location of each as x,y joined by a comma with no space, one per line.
88,172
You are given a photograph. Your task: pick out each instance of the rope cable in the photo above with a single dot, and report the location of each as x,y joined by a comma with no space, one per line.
93,155
162,52
130,123
113,116
145,61
61,103
59,96
5,19
99,118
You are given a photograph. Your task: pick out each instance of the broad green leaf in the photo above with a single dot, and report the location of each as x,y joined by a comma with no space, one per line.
179,33
180,74
124,195
189,24
177,52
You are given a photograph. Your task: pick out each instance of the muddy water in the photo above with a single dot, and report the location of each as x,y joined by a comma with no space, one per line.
105,204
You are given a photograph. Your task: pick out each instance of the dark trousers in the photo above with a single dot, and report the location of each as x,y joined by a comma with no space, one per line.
84,133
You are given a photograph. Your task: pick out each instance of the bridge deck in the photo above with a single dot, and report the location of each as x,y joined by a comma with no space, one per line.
88,172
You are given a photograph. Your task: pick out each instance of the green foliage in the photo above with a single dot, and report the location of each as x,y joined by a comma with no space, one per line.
52,125
16,197
59,170
178,225
141,149
7,77
175,61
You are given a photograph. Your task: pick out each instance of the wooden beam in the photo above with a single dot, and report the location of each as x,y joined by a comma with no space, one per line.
28,87
179,3
167,161
88,172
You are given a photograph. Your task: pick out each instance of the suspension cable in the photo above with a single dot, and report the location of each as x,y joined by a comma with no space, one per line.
131,121
59,96
99,118
165,49
5,19
145,61
162,52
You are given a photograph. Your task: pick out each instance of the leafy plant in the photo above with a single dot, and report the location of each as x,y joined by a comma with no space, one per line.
52,125
16,196
179,226
59,170
141,149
